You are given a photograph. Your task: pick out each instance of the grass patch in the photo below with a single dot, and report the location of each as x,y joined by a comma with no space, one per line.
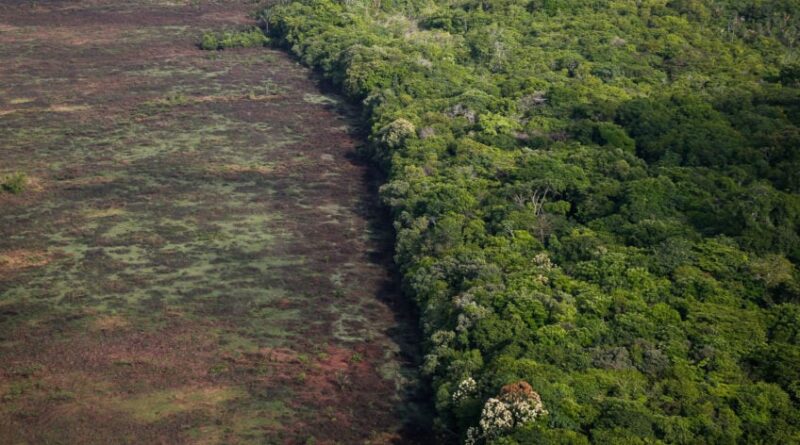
104,213
155,406
108,323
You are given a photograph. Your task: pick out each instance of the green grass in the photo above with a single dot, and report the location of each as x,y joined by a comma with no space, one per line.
154,406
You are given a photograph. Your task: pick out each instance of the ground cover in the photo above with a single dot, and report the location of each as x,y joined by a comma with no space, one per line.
196,254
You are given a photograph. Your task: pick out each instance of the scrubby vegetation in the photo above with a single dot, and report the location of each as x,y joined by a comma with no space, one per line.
13,183
249,38
600,199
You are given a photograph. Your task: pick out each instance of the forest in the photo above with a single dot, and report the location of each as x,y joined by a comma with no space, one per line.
596,207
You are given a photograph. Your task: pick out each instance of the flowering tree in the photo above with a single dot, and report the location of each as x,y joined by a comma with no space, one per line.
516,405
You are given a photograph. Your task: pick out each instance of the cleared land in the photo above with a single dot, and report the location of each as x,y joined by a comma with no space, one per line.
197,256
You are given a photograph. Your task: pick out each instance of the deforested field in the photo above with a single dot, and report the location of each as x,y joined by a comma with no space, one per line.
191,250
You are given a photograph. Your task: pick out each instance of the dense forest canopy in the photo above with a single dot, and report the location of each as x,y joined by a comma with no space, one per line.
597,207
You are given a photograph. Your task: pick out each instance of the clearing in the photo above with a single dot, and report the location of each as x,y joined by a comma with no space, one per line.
198,255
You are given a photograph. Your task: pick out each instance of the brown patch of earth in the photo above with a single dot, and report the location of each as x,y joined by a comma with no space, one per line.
19,259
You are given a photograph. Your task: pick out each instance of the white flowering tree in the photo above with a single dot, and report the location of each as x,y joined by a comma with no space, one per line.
517,405
396,132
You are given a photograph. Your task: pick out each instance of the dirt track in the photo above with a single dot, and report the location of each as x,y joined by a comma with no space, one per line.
198,255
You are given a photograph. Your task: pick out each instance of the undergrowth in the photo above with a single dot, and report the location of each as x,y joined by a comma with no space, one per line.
253,37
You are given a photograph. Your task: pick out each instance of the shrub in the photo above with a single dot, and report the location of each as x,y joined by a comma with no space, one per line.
14,183
249,38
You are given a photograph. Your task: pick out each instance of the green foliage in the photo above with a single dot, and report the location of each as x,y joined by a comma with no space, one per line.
212,41
14,183
598,198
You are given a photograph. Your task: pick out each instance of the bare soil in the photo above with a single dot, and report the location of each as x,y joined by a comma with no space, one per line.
198,256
